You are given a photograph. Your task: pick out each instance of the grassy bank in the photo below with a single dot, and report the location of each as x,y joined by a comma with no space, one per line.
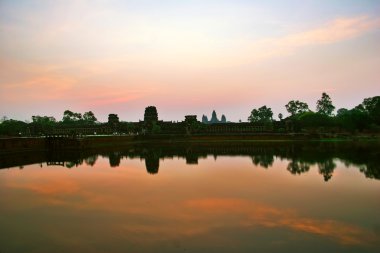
9,145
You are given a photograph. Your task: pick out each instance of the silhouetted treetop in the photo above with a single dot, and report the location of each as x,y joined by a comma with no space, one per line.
371,104
89,117
43,119
69,116
372,107
295,107
324,105
263,115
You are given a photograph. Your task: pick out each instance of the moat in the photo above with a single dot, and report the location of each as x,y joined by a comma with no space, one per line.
193,197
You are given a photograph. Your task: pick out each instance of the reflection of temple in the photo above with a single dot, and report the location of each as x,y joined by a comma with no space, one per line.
191,158
301,156
114,159
152,159
152,164
56,163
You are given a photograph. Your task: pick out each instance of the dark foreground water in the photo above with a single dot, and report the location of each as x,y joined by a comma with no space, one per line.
271,197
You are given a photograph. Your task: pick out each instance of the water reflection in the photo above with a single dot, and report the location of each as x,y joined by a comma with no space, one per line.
265,160
300,156
298,167
114,158
152,162
247,201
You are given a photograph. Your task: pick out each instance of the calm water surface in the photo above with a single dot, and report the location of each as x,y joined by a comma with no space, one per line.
205,198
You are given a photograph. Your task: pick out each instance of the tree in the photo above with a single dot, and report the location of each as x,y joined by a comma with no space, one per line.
43,119
341,112
354,119
312,120
370,104
372,107
324,105
280,116
263,115
12,127
295,107
69,116
89,117
77,116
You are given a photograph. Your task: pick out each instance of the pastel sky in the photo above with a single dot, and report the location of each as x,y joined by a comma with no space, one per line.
185,57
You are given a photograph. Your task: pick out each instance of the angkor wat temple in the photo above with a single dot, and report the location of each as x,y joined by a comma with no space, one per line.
152,125
214,119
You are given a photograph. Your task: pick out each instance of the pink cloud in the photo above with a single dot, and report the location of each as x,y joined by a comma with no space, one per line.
253,213
335,31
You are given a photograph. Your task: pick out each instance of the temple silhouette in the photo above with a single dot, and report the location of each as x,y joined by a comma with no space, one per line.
214,119
152,125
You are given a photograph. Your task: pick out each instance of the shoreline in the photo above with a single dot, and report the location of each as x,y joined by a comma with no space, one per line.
25,144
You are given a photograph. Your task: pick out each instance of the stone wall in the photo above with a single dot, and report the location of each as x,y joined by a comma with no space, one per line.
22,144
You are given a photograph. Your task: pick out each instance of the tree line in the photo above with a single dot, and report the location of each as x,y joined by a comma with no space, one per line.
365,116
11,127
301,157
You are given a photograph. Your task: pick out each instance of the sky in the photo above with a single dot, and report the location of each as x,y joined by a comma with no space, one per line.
185,57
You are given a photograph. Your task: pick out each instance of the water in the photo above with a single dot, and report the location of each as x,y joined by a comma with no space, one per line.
232,197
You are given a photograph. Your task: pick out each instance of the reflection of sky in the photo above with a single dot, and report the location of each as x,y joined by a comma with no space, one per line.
215,205
184,56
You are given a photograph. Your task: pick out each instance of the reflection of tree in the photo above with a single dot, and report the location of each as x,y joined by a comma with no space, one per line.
114,159
326,168
70,164
371,170
363,155
297,167
91,160
265,160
